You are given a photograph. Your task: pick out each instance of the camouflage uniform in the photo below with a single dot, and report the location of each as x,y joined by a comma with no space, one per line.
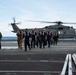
20,38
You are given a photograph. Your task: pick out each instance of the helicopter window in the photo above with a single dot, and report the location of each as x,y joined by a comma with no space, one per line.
60,32
60,28
75,31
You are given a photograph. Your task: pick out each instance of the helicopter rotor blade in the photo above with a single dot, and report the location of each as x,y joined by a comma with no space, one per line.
14,19
57,22
39,21
68,23
18,23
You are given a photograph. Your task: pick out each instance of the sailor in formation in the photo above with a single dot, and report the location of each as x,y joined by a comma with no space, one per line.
34,39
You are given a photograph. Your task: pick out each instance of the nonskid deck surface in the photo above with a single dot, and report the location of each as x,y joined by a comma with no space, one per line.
48,61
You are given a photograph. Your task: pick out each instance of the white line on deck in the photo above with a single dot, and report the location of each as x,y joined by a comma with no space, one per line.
23,71
30,61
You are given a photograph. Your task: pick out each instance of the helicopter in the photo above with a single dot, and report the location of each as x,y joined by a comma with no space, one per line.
63,31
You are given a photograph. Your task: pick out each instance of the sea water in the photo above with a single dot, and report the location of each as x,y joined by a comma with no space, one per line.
9,38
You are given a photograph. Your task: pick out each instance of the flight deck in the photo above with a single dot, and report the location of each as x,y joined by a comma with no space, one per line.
48,61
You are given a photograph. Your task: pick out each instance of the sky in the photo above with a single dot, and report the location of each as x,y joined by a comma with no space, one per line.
41,10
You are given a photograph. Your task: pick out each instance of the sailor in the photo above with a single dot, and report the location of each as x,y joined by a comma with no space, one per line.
42,39
33,39
0,39
55,37
49,38
20,38
26,40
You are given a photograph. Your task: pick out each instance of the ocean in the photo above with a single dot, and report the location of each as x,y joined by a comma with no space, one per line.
9,38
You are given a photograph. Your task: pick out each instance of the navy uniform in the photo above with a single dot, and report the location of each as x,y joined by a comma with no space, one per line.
26,41
42,39
33,39
0,39
55,38
49,39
